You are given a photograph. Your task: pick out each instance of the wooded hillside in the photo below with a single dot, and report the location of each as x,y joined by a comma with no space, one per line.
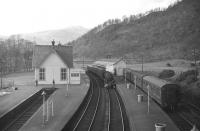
158,34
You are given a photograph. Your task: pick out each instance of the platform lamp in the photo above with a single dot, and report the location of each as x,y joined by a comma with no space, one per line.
1,71
148,88
68,83
43,111
195,53
125,71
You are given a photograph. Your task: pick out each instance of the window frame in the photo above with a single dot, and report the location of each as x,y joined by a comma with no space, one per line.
42,73
75,74
63,74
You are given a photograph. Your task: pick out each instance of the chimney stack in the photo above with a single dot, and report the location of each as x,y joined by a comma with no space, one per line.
53,43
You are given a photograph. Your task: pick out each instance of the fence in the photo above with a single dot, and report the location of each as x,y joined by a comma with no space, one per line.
5,83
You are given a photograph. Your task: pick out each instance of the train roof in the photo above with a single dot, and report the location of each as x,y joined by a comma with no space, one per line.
155,81
97,66
137,73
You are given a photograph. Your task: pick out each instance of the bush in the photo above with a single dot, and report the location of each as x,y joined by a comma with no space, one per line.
190,79
192,64
166,74
184,75
168,65
198,84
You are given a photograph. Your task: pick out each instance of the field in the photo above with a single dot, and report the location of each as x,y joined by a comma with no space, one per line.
10,98
26,78
177,65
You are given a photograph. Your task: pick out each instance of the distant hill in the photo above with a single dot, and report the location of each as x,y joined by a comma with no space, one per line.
158,34
62,35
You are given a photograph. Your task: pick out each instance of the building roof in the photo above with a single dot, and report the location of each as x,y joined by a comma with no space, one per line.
107,62
41,52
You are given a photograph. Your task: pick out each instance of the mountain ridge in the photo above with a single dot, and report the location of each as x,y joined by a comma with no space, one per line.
59,35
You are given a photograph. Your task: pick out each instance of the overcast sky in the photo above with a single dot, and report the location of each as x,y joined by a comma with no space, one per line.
24,16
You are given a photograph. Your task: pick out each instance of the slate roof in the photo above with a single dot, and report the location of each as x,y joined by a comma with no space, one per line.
41,52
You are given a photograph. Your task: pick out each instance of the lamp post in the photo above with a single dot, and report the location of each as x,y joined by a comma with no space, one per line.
142,64
1,71
195,53
125,73
68,83
148,97
43,113
83,62
135,82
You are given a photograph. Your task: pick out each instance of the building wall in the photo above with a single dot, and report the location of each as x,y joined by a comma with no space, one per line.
52,65
75,79
119,67
110,68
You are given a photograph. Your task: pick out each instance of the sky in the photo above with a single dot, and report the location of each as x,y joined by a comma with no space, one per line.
26,16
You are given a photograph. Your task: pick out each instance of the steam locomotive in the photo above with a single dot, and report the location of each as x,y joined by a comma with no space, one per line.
104,75
163,92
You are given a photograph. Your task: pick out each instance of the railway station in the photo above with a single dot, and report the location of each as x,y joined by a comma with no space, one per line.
138,70
120,105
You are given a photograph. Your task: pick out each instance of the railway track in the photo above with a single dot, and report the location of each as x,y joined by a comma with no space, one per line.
84,117
87,118
181,122
101,110
27,112
191,113
118,118
100,122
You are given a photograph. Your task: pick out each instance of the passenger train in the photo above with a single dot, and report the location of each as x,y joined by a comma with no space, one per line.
104,75
163,92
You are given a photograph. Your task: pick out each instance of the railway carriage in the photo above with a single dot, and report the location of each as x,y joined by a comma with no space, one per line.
165,93
131,75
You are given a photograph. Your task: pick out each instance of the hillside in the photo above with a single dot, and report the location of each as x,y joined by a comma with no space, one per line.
62,35
160,34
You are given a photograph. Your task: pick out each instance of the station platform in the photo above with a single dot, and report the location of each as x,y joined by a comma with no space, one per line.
65,103
15,97
139,117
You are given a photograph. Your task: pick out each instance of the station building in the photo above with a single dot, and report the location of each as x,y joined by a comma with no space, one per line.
114,66
53,64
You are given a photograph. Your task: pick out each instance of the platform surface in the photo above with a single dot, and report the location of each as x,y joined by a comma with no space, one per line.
139,117
64,105
26,88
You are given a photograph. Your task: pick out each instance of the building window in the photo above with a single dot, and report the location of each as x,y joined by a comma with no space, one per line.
63,74
42,74
74,74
